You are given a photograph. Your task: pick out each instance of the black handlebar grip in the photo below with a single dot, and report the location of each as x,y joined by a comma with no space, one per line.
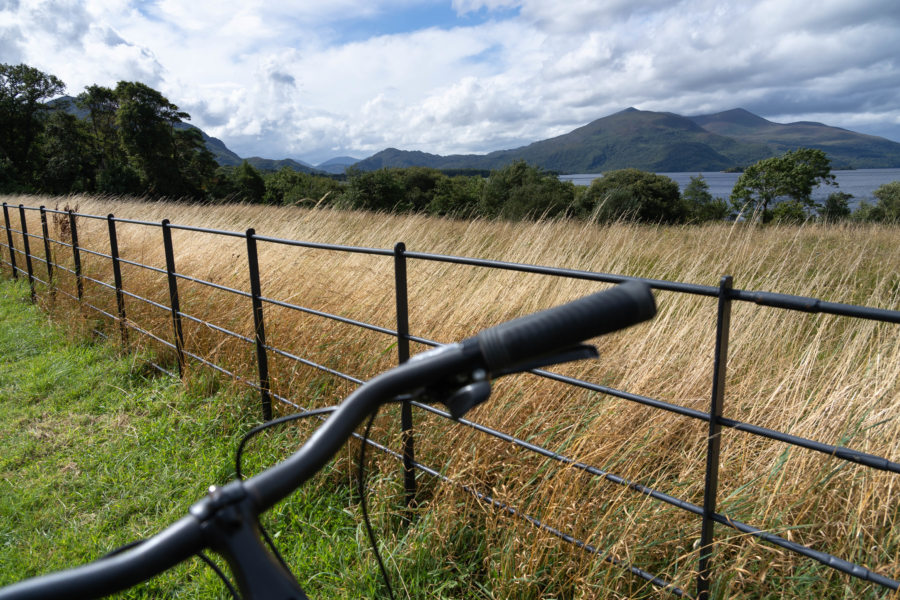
561,327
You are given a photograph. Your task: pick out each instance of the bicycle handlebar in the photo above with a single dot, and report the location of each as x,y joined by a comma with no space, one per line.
561,327
495,350
176,543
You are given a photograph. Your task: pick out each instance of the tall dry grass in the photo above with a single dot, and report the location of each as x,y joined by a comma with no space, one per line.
822,377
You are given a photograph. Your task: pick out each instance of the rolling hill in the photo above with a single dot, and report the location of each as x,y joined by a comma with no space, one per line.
666,142
337,165
847,149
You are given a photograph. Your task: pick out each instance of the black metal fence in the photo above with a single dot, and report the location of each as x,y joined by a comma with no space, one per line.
725,293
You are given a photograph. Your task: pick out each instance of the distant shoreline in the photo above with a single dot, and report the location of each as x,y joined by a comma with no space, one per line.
860,183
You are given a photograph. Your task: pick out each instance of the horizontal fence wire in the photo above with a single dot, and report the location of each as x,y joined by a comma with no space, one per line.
767,299
329,316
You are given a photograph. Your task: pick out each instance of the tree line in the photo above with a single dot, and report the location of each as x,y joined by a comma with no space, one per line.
520,191
131,140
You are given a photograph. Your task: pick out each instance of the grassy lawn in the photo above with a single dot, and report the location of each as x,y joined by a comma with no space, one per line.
98,451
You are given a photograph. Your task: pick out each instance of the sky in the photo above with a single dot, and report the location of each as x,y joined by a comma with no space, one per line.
314,79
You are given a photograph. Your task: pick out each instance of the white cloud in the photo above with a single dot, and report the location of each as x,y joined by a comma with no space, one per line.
273,79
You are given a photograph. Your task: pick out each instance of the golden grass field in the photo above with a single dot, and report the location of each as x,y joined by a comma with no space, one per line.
828,378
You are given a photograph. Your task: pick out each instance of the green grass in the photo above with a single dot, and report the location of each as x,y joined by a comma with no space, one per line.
98,451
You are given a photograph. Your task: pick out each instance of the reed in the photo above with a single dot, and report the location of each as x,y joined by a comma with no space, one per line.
823,377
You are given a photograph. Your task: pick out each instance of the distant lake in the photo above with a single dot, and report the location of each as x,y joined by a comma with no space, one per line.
859,183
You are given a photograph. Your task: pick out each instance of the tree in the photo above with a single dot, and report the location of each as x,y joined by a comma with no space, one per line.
789,212
288,186
101,105
66,157
380,190
22,92
248,183
793,175
196,164
145,123
888,206
419,185
634,195
170,157
521,191
457,196
700,204
836,207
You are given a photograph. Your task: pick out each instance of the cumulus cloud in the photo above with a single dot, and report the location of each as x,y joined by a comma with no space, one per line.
278,80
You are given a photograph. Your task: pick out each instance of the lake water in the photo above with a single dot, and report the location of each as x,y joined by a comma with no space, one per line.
859,183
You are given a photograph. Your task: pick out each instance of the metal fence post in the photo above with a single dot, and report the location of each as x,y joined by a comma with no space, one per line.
714,442
173,296
9,240
26,246
47,258
406,422
258,326
117,276
76,255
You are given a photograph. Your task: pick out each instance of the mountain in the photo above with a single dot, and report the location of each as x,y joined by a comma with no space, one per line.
220,151
845,148
652,141
337,165
665,142
67,104
269,164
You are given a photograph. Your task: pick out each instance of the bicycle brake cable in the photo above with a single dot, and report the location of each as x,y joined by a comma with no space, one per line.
209,562
363,506
239,475
280,420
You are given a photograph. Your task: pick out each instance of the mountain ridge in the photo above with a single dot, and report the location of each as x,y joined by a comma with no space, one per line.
630,138
668,142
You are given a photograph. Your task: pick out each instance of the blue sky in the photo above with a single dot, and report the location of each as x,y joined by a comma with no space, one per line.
394,20
311,80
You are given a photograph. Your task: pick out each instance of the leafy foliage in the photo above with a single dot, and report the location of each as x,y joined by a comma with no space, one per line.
888,207
128,142
792,175
790,212
248,183
836,207
22,90
634,195
700,203
520,191
287,186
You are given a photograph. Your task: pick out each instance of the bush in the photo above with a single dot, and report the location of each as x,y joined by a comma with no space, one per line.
248,183
288,186
836,207
888,206
789,212
520,191
380,190
634,195
457,196
701,205
885,210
